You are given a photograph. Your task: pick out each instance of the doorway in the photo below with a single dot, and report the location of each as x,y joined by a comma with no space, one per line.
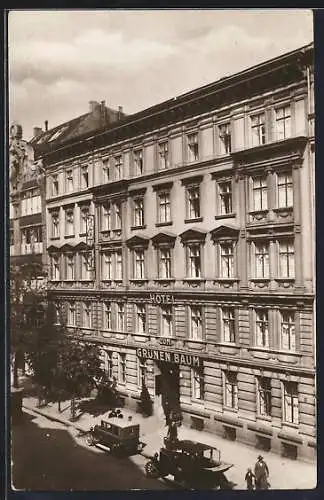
169,387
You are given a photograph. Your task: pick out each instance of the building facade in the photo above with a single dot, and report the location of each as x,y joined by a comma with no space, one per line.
182,240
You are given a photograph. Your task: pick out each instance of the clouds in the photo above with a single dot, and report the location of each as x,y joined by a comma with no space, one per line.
60,60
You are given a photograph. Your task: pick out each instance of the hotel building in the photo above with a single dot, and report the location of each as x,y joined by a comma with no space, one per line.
182,240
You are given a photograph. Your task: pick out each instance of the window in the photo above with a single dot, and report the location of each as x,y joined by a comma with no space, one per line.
261,253
195,318
117,216
57,314
230,390
84,213
228,324
85,267
225,197
107,266
55,267
193,147
139,269
141,372
106,217
287,331
227,259
70,266
55,225
140,318
69,180
107,316
164,262
87,315
122,368
261,328
138,162
11,236
118,265
260,193
30,202
118,167
290,402
108,364
84,177
71,314
193,197
55,185
138,212
164,207
264,396
106,170
163,155
286,259
258,129
285,190
166,321
69,222
197,384
225,138
120,317
283,123
194,260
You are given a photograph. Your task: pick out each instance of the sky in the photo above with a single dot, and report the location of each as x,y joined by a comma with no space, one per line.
60,60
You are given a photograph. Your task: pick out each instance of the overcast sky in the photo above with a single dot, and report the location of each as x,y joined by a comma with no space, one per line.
60,60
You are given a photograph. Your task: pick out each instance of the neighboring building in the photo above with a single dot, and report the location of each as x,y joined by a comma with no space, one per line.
182,240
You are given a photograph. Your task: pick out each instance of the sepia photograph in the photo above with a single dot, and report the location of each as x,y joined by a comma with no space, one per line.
162,267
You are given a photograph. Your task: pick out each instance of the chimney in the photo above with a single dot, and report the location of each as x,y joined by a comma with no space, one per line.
120,112
94,107
46,125
37,131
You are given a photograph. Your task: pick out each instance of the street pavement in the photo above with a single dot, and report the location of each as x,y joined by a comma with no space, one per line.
284,473
47,455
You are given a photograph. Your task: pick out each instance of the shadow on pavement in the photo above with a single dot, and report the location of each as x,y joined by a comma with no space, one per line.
47,458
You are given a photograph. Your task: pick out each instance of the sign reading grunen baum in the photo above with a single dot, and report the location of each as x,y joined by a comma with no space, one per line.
169,357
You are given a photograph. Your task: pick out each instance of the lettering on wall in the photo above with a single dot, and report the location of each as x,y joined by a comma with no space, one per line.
159,298
169,357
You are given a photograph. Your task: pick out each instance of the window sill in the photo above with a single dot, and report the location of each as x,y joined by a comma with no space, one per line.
259,214
230,410
68,236
194,281
139,281
264,418
52,238
138,227
83,234
225,216
197,219
161,224
164,280
283,209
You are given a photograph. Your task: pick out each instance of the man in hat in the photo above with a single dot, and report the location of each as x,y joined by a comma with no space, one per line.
261,473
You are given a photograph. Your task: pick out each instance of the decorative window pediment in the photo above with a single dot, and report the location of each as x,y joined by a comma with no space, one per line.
66,247
193,235
225,232
163,238
138,241
52,248
81,246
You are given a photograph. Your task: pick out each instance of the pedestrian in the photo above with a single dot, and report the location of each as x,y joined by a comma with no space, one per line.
249,478
261,473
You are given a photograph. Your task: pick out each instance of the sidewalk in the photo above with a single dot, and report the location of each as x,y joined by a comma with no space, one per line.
284,473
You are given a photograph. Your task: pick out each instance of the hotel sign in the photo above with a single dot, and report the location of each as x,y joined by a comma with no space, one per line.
169,357
161,298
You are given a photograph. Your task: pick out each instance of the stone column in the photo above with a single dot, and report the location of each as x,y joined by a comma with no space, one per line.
299,282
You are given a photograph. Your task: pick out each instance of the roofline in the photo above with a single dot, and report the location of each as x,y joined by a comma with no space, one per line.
158,108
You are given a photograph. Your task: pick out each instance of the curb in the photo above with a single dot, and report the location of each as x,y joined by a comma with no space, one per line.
63,421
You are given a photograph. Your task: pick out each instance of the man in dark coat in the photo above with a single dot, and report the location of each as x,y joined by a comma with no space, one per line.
249,478
261,473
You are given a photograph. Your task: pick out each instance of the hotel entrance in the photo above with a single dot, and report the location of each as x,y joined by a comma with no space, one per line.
167,388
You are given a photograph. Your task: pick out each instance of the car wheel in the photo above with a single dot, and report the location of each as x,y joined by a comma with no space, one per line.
151,470
90,441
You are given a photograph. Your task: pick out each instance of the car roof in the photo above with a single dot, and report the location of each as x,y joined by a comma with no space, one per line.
119,422
193,446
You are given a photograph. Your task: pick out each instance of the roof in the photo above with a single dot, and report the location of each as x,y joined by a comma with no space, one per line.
282,70
193,446
119,422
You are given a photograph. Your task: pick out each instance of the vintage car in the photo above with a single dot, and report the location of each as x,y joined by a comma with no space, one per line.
116,435
193,466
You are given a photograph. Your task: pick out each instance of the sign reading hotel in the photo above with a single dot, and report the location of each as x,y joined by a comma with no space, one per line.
161,298
168,357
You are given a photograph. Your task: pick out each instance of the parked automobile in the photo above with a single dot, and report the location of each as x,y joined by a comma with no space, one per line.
193,465
116,435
